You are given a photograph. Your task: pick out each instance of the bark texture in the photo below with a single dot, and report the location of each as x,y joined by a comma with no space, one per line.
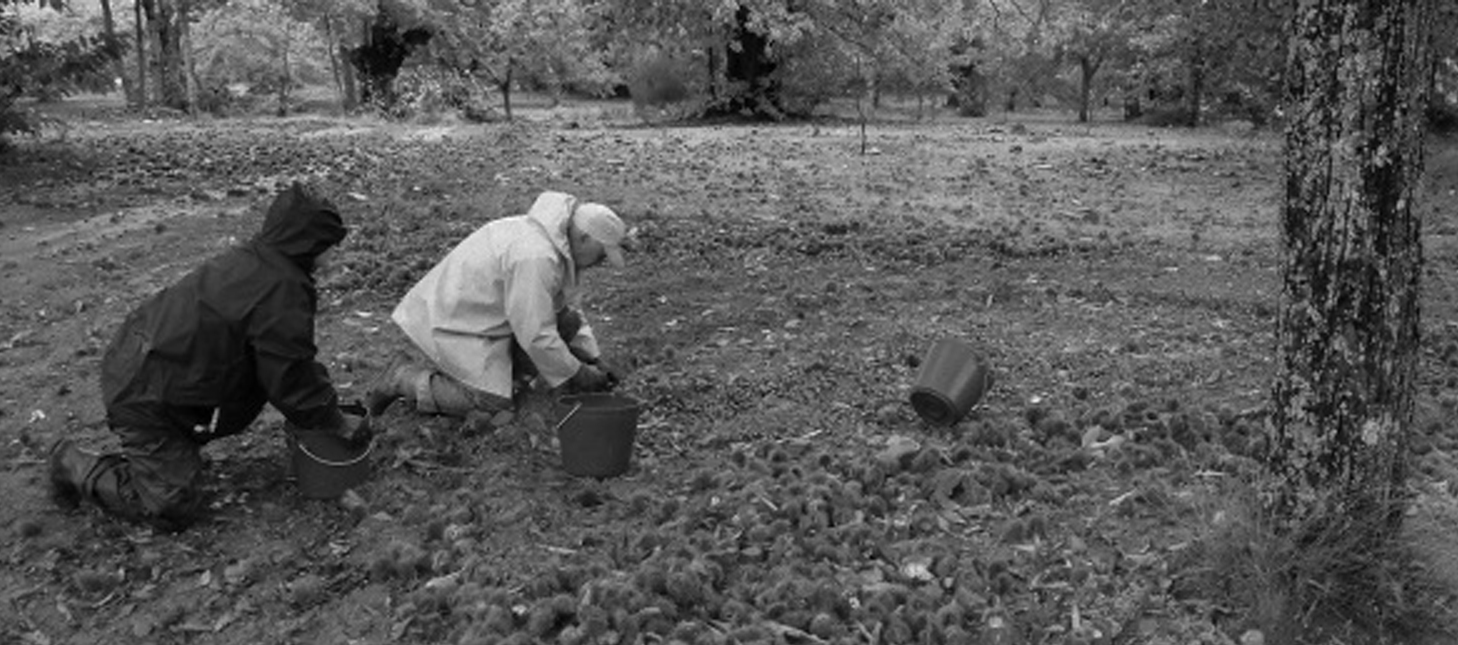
1348,325
163,18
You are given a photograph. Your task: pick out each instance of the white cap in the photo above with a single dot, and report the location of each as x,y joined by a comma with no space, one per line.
602,224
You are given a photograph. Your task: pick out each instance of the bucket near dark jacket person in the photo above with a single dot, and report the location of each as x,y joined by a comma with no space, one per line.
199,360
500,309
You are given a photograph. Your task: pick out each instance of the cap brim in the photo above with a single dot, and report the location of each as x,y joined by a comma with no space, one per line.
614,255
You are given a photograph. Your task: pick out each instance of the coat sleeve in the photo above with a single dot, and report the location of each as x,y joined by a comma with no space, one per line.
585,342
531,311
282,334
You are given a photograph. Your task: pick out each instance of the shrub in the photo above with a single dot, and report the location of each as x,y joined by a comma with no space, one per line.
1167,116
218,99
45,70
428,92
657,83
13,120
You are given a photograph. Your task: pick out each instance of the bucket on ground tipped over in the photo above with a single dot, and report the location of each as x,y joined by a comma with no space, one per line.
324,464
954,376
596,436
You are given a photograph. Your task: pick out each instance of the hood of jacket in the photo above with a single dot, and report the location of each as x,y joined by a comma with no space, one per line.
553,211
301,226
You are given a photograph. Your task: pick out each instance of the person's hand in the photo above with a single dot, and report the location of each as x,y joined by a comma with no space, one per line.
355,429
614,373
589,379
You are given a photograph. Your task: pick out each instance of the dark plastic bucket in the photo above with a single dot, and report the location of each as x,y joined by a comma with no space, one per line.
953,378
325,465
596,435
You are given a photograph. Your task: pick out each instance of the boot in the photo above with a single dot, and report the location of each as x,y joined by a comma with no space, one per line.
70,467
395,383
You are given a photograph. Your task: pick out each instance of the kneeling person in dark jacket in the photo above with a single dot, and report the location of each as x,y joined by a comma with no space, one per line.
198,361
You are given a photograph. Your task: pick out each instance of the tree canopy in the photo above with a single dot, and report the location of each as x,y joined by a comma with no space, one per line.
1172,61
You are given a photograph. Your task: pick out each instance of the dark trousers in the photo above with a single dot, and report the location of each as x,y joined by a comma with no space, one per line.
156,476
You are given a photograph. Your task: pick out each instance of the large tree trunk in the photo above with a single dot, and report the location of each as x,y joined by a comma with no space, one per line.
1348,325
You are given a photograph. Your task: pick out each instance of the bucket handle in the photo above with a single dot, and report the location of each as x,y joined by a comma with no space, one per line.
564,420
336,464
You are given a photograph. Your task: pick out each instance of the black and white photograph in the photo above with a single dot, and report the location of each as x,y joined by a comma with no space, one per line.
729,322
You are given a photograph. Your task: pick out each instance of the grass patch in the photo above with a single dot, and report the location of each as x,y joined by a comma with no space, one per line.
1329,578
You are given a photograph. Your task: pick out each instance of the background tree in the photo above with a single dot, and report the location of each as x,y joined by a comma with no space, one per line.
44,66
109,25
1092,33
1023,62
166,19
773,58
545,44
391,35
1188,52
969,80
259,43
901,45
1348,324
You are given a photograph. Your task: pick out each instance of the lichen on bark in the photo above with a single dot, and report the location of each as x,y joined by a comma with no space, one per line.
1348,328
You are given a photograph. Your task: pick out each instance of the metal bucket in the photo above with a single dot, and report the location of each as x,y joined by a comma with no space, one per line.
325,465
596,436
953,378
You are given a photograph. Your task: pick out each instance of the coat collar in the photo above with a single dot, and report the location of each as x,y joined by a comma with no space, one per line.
552,211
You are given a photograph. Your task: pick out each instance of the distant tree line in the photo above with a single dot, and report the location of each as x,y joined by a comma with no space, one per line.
1167,61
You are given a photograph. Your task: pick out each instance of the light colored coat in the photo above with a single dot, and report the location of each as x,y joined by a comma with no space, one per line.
508,278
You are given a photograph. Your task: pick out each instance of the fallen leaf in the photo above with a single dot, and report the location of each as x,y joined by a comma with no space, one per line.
918,569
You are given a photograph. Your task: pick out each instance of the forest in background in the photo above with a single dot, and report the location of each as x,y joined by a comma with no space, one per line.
1165,62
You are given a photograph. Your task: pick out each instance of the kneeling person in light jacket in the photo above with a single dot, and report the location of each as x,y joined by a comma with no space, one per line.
498,310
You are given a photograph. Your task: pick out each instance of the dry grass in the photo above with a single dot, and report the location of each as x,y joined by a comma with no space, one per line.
1332,577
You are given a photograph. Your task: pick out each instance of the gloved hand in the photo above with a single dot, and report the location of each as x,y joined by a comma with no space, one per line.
589,379
614,373
355,429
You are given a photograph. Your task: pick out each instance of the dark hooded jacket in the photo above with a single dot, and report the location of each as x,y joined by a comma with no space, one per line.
232,335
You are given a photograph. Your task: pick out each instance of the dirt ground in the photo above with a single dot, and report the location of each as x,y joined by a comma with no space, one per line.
1121,280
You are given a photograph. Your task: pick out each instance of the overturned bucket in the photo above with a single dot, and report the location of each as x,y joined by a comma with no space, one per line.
325,464
954,376
596,436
